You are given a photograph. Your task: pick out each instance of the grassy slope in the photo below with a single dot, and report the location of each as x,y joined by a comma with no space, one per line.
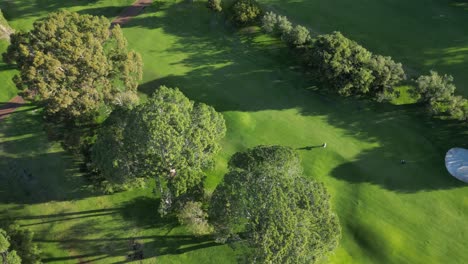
423,34
389,212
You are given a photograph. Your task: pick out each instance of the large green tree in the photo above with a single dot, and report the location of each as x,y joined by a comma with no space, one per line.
342,63
264,198
74,65
245,12
7,256
350,69
169,138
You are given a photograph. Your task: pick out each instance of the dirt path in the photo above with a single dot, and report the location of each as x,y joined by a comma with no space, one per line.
127,14
8,108
135,9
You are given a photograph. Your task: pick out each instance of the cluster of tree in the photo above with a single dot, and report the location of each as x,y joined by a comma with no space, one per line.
344,65
295,36
16,245
349,69
245,12
437,93
266,201
168,138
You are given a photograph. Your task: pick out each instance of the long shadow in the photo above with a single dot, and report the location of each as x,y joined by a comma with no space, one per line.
23,9
114,241
33,169
257,76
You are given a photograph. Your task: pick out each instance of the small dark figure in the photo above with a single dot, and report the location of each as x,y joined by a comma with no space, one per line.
403,161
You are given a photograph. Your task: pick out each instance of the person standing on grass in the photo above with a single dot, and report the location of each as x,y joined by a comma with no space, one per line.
324,145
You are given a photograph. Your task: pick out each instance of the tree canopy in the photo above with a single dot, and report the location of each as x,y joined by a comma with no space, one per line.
21,240
350,69
285,217
74,65
169,138
437,92
7,256
341,62
245,11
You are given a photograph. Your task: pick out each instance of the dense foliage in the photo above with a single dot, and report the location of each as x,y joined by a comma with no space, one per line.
350,69
7,255
245,11
386,75
21,240
297,36
194,218
169,138
264,198
437,92
74,65
341,63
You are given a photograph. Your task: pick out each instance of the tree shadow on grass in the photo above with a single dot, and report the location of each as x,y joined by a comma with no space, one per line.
14,9
235,71
139,215
33,169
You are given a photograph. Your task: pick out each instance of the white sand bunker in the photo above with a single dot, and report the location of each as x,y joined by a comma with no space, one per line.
456,162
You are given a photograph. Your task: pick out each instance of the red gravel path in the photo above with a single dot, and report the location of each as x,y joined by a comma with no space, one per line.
8,108
135,9
127,14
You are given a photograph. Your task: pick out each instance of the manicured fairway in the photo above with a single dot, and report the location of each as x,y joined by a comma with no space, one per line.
390,213
423,34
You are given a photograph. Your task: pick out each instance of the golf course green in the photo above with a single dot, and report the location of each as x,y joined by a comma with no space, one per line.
389,212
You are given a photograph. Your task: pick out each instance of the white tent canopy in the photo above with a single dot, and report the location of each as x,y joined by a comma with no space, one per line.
456,162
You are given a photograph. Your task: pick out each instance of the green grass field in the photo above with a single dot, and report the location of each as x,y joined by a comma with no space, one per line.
390,213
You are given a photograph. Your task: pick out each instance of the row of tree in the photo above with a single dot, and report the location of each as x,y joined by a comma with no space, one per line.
345,67
350,69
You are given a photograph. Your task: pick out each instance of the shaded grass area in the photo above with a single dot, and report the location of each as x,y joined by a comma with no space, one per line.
422,34
22,13
390,213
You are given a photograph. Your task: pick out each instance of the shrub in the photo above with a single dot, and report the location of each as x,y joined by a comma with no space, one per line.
437,92
269,22
245,12
434,87
215,5
284,27
387,73
194,217
298,36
